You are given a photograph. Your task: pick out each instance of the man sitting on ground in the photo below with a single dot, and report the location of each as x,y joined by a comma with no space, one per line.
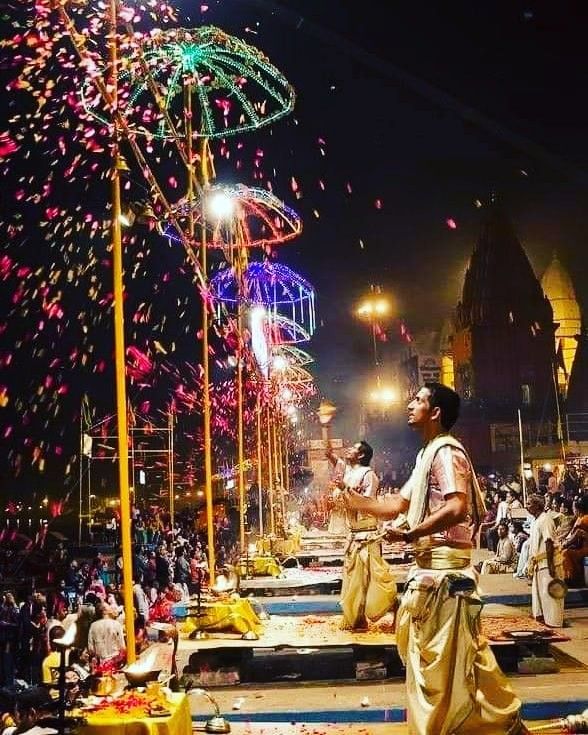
505,560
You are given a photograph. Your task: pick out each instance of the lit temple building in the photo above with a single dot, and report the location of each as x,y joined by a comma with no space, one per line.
503,346
557,286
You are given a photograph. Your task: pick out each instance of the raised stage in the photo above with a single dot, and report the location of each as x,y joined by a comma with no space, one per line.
316,648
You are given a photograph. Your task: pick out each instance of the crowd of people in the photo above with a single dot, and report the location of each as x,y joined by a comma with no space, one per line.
506,529
169,564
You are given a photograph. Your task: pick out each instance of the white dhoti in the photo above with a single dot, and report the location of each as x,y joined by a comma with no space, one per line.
454,684
543,604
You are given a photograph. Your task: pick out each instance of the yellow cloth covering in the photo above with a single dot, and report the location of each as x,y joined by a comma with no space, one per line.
260,566
454,685
111,722
234,614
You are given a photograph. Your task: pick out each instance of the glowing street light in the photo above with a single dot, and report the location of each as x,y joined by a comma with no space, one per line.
374,308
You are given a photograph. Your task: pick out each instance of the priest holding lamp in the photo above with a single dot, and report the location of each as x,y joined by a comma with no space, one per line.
454,684
369,589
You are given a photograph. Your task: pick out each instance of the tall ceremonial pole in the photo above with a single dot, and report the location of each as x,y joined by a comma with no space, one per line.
206,387
119,350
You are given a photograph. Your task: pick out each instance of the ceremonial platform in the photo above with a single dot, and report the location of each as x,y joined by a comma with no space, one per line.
359,707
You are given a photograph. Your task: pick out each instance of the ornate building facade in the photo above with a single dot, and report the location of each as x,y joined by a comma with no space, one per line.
503,345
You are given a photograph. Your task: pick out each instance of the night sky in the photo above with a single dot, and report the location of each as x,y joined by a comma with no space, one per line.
407,115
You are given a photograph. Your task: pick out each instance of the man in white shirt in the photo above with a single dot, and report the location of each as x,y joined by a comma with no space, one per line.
106,638
544,565
454,685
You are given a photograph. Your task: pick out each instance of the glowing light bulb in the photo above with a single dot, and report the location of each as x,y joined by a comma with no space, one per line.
221,205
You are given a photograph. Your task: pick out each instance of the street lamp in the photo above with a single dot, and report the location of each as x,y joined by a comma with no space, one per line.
374,308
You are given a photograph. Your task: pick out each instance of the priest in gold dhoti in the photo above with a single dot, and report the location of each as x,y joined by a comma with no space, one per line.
454,685
368,590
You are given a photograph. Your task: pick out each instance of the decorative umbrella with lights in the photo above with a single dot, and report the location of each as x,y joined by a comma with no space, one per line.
246,216
287,297
234,86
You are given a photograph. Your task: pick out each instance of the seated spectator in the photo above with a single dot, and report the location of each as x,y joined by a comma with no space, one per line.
565,519
518,536
505,560
575,546
502,514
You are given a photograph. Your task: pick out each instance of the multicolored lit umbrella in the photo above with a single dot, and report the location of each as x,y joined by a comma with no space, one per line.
232,86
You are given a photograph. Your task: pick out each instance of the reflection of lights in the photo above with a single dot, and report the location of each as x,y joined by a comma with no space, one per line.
547,467
200,493
221,205
45,500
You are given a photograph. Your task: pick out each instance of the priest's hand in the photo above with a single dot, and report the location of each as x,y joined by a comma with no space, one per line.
398,534
354,500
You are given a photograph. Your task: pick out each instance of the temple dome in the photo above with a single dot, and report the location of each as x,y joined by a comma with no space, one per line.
559,289
500,286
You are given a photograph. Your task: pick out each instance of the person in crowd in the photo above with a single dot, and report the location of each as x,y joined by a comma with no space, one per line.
53,658
106,640
565,519
575,545
505,560
518,536
9,636
182,567
454,684
141,604
34,708
545,565
502,515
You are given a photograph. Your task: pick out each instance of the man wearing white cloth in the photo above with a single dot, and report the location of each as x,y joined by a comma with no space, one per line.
545,565
454,685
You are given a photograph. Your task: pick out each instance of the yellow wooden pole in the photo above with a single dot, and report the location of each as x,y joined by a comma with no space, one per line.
206,387
240,445
281,476
170,468
119,352
259,464
274,443
270,472
287,461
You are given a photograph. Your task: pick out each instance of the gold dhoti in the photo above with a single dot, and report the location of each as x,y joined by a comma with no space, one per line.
369,589
454,685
